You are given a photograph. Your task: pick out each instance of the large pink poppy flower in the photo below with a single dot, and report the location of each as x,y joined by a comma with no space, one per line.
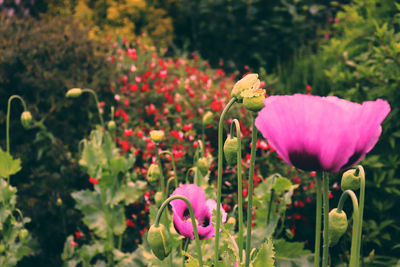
202,212
316,133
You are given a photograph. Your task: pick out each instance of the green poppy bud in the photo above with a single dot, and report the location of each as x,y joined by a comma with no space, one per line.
26,119
245,83
207,118
23,234
351,179
2,248
253,100
337,226
159,241
158,198
153,173
230,150
156,136
203,165
74,93
111,125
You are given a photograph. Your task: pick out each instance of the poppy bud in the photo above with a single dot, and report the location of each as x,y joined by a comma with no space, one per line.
23,234
156,136
208,118
158,198
337,226
159,241
26,119
111,125
351,179
232,221
245,83
203,165
153,173
230,150
253,100
2,248
74,93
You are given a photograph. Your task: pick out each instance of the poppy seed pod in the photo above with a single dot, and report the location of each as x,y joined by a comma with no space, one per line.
337,226
159,241
245,83
208,118
111,125
74,93
230,150
203,165
156,136
26,119
153,173
253,100
23,234
350,180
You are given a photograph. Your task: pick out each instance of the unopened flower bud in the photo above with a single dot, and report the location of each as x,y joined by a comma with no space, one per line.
351,179
2,247
153,173
26,119
23,234
230,150
253,100
245,83
74,93
232,221
156,136
208,118
203,165
158,198
111,125
159,241
59,202
337,226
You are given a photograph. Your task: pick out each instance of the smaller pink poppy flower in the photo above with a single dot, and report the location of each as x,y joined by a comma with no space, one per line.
202,212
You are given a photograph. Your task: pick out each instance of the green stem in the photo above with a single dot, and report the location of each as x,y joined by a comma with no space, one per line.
203,135
173,165
8,118
325,252
239,184
185,247
219,181
354,238
361,211
170,260
97,103
272,198
162,182
317,249
250,190
120,242
168,184
191,212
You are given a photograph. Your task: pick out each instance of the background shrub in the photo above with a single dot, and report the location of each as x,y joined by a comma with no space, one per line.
40,60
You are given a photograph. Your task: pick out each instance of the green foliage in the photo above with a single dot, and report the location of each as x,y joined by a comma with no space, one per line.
265,256
41,60
8,165
103,208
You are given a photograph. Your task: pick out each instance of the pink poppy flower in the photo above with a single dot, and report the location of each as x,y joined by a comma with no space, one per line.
316,133
202,212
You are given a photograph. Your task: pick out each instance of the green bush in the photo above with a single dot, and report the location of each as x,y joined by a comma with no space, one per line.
40,60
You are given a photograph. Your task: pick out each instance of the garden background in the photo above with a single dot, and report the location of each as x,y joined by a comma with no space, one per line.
162,64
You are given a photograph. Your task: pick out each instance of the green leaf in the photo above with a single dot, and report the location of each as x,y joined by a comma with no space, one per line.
265,256
285,249
93,215
8,165
281,185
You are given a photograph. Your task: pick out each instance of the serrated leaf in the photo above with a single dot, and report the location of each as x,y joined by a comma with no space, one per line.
265,256
8,165
285,249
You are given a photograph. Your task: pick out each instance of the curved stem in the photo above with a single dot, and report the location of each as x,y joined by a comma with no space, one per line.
219,181
317,249
97,103
250,190
173,165
191,212
325,252
361,211
354,238
168,184
8,118
235,123
187,175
